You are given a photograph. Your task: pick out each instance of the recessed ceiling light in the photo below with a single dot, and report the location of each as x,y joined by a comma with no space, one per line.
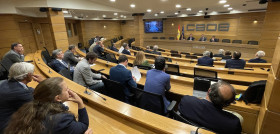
156,14
104,16
149,10
222,1
162,12
188,9
132,5
112,0
121,16
229,8
200,11
65,11
115,13
124,16
176,13
86,16
178,6
227,5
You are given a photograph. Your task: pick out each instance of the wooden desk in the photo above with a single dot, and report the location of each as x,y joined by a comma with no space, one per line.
113,116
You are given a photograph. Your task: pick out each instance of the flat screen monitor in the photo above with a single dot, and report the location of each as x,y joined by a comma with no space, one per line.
153,26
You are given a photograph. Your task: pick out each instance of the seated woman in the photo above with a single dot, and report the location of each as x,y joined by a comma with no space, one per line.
141,60
47,114
258,59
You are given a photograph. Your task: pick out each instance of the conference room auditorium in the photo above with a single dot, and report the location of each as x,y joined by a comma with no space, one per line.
139,66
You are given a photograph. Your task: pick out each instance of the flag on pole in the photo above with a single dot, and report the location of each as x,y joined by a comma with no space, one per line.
178,35
182,35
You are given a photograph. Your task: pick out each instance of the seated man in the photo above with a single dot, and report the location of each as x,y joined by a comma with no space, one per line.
157,81
191,38
258,59
13,56
202,38
99,49
120,74
85,77
114,48
221,53
69,56
156,50
209,112
236,62
227,55
126,49
58,64
213,39
148,50
205,60
14,92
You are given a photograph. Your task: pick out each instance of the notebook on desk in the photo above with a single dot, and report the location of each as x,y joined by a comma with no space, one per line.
201,87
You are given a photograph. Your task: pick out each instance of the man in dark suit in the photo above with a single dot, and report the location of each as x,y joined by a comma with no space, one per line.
258,59
205,60
126,49
148,50
13,56
58,64
120,74
156,50
99,49
202,38
114,48
227,55
213,39
236,62
157,81
191,38
69,56
221,53
15,92
209,112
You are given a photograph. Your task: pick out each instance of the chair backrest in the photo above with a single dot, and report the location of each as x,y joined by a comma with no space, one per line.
176,55
150,56
114,89
173,69
173,51
162,38
86,50
47,56
252,42
171,38
154,37
161,50
3,71
205,73
198,54
186,53
133,47
191,56
66,73
111,57
237,41
143,67
226,40
177,116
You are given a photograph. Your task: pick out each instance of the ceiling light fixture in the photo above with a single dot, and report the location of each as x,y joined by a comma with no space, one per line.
178,6
124,16
121,16
200,11
149,10
188,9
222,1
104,16
112,0
176,13
115,13
156,14
132,5
230,8
227,5
162,12
65,11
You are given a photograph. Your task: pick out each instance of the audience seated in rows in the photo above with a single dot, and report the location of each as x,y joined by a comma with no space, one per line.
156,50
148,50
213,39
13,56
191,38
126,49
58,63
202,38
227,55
221,53
14,92
157,81
140,59
209,112
47,113
114,48
122,75
236,62
69,56
99,49
258,59
96,40
205,60
85,77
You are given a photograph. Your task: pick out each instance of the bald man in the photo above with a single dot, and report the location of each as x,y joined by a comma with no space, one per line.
209,112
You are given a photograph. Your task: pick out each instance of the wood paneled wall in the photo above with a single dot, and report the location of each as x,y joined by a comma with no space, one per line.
74,39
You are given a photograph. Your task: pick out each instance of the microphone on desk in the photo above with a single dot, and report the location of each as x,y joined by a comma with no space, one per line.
87,92
46,67
29,61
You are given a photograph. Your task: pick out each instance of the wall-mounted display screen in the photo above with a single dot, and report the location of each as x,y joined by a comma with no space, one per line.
153,26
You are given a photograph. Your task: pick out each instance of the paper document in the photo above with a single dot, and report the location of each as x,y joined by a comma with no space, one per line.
121,49
92,65
136,73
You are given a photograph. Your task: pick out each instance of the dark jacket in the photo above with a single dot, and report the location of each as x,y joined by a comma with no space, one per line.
257,60
218,55
10,58
147,51
235,63
189,38
98,50
12,96
205,61
70,58
202,39
57,65
215,40
156,52
114,49
126,52
225,57
205,114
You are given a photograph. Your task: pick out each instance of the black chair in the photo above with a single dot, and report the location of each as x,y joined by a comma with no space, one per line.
173,69
114,89
185,53
198,54
191,56
253,42
154,37
237,41
162,38
168,59
66,73
86,50
161,50
175,55
173,51
4,72
151,47
150,56
226,40
151,102
133,47
47,56
130,65
171,38
205,73
111,57
143,67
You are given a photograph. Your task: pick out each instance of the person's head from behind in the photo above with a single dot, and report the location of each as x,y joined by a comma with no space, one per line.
57,54
159,63
221,51
123,60
236,55
147,47
91,57
125,46
221,94
260,54
228,53
72,48
21,71
155,47
206,53
17,47
140,58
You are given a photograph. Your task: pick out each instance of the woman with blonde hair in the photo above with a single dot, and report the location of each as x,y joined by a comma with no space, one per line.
140,59
47,114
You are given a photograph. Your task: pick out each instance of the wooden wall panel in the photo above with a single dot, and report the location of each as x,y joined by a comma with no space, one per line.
75,39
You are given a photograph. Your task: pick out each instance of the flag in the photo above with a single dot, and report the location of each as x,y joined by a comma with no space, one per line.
182,35
178,35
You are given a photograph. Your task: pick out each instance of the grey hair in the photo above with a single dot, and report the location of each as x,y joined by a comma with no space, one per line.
221,51
206,53
260,54
20,70
71,47
155,47
55,52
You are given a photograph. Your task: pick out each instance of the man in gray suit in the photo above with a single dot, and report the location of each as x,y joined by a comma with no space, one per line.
13,56
85,77
69,56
